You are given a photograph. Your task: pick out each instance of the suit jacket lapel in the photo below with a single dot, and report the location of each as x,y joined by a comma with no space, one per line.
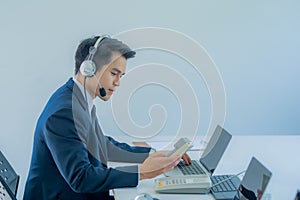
87,125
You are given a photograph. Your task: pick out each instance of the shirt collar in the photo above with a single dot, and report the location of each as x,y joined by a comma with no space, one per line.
89,99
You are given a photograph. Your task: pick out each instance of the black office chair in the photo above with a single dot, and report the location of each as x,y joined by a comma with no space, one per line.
8,176
5,192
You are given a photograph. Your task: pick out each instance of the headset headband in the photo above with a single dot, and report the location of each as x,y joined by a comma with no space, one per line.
96,45
94,48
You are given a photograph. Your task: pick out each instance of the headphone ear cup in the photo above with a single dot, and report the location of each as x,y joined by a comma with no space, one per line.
88,68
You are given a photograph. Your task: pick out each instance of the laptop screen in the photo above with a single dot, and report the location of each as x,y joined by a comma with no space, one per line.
254,182
215,149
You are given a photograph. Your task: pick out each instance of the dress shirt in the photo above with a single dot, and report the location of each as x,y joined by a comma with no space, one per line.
90,100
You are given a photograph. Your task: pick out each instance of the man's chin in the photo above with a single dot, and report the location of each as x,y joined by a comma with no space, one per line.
105,98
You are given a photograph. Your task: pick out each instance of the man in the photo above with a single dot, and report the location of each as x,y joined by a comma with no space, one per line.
70,152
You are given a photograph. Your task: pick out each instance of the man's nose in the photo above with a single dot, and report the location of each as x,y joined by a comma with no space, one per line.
117,81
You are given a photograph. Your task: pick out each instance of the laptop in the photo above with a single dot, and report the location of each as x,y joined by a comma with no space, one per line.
209,159
252,186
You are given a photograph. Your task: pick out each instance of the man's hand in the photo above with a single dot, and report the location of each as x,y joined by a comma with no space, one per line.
156,164
186,159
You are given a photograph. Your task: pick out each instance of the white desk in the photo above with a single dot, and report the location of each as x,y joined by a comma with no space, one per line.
278,153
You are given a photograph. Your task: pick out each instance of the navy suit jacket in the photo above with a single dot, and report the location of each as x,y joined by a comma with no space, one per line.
70,153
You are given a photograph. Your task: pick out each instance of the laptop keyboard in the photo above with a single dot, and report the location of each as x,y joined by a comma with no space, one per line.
193,168
225,186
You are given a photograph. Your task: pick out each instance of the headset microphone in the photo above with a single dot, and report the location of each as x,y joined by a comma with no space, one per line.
87,70
102,90
88,66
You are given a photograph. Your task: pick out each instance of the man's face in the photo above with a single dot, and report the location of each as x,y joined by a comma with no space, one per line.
110,75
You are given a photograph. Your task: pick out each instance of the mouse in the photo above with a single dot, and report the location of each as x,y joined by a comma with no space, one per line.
144,196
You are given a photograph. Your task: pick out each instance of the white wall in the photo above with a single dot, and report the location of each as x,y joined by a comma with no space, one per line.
255,45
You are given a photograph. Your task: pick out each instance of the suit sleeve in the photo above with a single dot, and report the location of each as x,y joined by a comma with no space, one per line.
122,152
70,154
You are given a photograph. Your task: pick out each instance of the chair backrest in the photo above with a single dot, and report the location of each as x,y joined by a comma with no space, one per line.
5,192
8,174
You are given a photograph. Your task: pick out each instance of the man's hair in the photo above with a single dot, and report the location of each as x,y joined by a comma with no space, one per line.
104,52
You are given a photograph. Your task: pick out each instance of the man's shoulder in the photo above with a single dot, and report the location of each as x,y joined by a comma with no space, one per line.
65,101
62,96
60,99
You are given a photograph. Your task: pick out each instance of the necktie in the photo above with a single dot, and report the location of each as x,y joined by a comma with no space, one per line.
93,117
99,135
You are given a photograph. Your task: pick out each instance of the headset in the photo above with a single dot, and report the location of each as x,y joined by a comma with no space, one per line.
88,67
